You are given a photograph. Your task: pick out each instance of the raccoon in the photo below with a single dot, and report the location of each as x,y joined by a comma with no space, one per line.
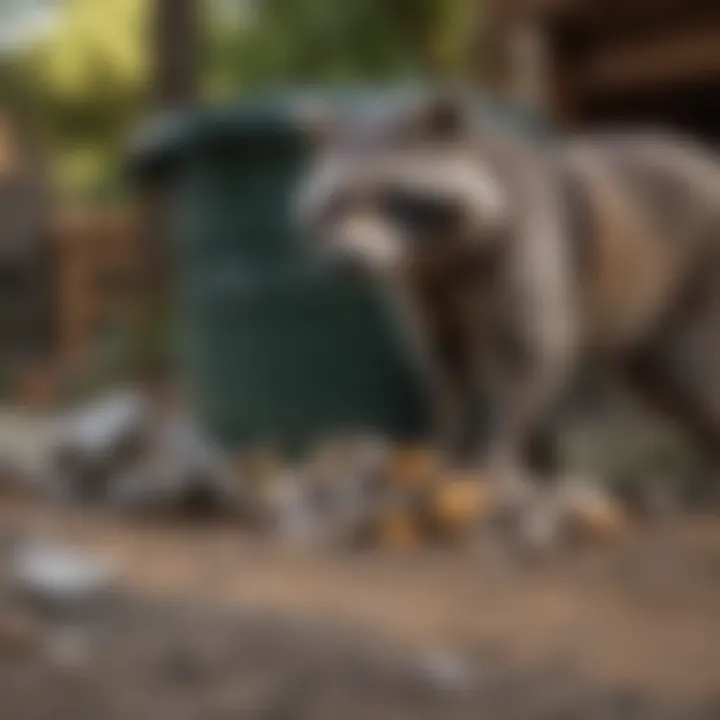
514,264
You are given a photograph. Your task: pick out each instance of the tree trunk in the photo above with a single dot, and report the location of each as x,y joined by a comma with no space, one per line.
176,35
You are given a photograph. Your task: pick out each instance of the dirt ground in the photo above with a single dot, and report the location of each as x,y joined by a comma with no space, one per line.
210,622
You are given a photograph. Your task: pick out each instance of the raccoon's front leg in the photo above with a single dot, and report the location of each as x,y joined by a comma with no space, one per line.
443,355
523,372
455,411
530,343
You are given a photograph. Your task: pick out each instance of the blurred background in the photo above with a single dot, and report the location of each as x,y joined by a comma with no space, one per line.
145,338
77,79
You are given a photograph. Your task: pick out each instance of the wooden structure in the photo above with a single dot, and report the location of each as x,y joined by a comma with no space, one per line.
25,287
90,283
614,61
98,270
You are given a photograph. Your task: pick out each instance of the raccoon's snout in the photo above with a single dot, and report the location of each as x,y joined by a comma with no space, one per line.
366,241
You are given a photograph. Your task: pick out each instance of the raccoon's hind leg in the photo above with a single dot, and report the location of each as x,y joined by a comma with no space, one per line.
466,416
680,372
542,452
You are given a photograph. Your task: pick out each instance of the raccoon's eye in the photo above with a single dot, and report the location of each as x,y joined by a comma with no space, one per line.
420,212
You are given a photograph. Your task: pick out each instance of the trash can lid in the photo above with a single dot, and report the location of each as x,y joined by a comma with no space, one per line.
279,115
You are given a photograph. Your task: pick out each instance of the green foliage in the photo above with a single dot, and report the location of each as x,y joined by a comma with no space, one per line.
631,450
82,84
97,47
84,81
280,42
93,72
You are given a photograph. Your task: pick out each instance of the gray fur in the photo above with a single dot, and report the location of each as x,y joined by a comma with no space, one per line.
500,308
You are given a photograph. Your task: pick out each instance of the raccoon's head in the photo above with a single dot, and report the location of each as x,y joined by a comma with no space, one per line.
408,186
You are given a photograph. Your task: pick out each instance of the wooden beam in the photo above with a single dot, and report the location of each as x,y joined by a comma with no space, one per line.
622,17
677,56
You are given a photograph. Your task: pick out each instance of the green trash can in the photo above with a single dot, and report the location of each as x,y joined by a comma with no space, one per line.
275,348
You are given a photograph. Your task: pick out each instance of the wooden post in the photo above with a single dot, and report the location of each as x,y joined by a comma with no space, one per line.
516,58
176,38
494,22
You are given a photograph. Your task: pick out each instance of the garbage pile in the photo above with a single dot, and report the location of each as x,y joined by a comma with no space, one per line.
126,455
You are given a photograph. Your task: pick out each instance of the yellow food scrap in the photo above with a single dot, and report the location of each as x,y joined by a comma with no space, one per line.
460,502
413,466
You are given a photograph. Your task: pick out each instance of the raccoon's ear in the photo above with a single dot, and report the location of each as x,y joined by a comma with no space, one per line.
444,117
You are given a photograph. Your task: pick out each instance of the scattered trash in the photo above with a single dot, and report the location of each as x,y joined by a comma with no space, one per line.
115,452
180,471
460,502
95,442
574,508
282,507
61,580
590,511
351,489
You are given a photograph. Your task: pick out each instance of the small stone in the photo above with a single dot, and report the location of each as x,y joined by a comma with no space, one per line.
185,665
445,672
591,511
9,478
661,497
283,507
20,635
513,491
541,525
61,579
68,649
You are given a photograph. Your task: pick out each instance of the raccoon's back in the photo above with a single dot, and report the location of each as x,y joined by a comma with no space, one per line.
654,206
673,180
